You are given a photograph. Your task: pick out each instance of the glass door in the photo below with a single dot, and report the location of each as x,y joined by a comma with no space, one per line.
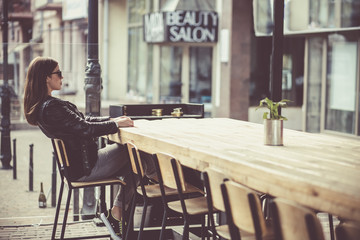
185,74
200,75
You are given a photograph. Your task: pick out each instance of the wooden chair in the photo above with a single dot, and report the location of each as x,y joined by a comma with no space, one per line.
63,165
148,192
295,222
348,230
192,202
213,179
243,211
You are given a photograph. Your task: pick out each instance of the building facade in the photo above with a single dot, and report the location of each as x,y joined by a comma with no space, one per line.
229,73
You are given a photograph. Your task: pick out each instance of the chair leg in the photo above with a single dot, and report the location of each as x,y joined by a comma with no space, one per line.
66,214
124,217
143,219
163,224
331,226
57,210
131,218
186,230
111,196
203,228
208,228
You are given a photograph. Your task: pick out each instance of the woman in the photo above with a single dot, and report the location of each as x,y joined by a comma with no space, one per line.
61,119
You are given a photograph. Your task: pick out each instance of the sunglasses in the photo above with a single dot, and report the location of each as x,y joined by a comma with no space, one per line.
58,73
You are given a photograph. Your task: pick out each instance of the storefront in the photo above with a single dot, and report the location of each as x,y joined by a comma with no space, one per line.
321,62
192,60
218,53
179,46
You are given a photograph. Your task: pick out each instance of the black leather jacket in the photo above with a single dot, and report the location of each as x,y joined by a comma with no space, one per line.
61,119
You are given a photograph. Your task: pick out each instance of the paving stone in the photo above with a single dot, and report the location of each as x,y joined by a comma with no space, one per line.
20,216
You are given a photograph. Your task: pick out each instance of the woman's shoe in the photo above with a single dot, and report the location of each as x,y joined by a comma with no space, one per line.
113,225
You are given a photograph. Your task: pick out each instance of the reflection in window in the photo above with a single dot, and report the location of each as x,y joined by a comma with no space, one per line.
314,73
263,23
322,14
139,54
341,84
170,74
200,74
307,15
350,13
136,10
292,73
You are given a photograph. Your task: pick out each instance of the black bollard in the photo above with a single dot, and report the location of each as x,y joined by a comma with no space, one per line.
53,184
31,170
14,159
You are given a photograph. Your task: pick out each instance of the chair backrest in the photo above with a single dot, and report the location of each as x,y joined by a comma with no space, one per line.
244,206
132,149
293,221
213,178
166,171
348,231
61,156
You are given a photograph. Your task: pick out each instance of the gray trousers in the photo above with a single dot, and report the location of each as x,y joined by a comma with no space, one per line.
113,161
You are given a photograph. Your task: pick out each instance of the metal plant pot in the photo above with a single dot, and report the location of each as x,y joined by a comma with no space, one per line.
273,132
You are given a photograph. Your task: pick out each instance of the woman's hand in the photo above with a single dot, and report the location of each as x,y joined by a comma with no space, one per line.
124,121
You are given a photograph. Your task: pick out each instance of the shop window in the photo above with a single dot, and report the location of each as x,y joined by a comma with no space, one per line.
350,13
139,67
170,74
322,14
342,70
200,74
307,16
137,8
139,87
314,87
292,73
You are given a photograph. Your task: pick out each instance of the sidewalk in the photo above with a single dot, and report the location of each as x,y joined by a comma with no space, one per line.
20,216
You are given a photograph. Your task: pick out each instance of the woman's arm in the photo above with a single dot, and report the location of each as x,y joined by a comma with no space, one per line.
97,119
64,119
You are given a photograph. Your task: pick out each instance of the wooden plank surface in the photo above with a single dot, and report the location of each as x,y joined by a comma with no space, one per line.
317,170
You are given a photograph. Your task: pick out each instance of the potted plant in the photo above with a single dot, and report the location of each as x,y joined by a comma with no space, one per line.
273,121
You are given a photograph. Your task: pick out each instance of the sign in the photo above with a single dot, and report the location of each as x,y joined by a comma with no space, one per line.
181,26
74,9
343,76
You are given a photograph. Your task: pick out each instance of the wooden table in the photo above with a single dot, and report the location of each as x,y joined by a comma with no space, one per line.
316,170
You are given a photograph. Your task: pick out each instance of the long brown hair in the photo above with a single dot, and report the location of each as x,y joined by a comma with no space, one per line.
35,86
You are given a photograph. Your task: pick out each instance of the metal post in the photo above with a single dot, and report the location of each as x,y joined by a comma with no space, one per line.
93,69
277,51
5,96
14,159
92,91
31,169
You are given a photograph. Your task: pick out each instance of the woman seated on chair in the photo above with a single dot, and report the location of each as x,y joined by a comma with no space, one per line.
61,119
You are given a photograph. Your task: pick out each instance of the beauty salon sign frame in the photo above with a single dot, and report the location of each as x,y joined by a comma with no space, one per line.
181,26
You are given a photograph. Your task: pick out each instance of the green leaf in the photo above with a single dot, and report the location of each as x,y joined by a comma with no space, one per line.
265,115
273,108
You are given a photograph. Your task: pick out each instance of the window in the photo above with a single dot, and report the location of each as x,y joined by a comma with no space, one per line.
314,80
307,16
292,73
342,70
200,74
139,54
170,74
